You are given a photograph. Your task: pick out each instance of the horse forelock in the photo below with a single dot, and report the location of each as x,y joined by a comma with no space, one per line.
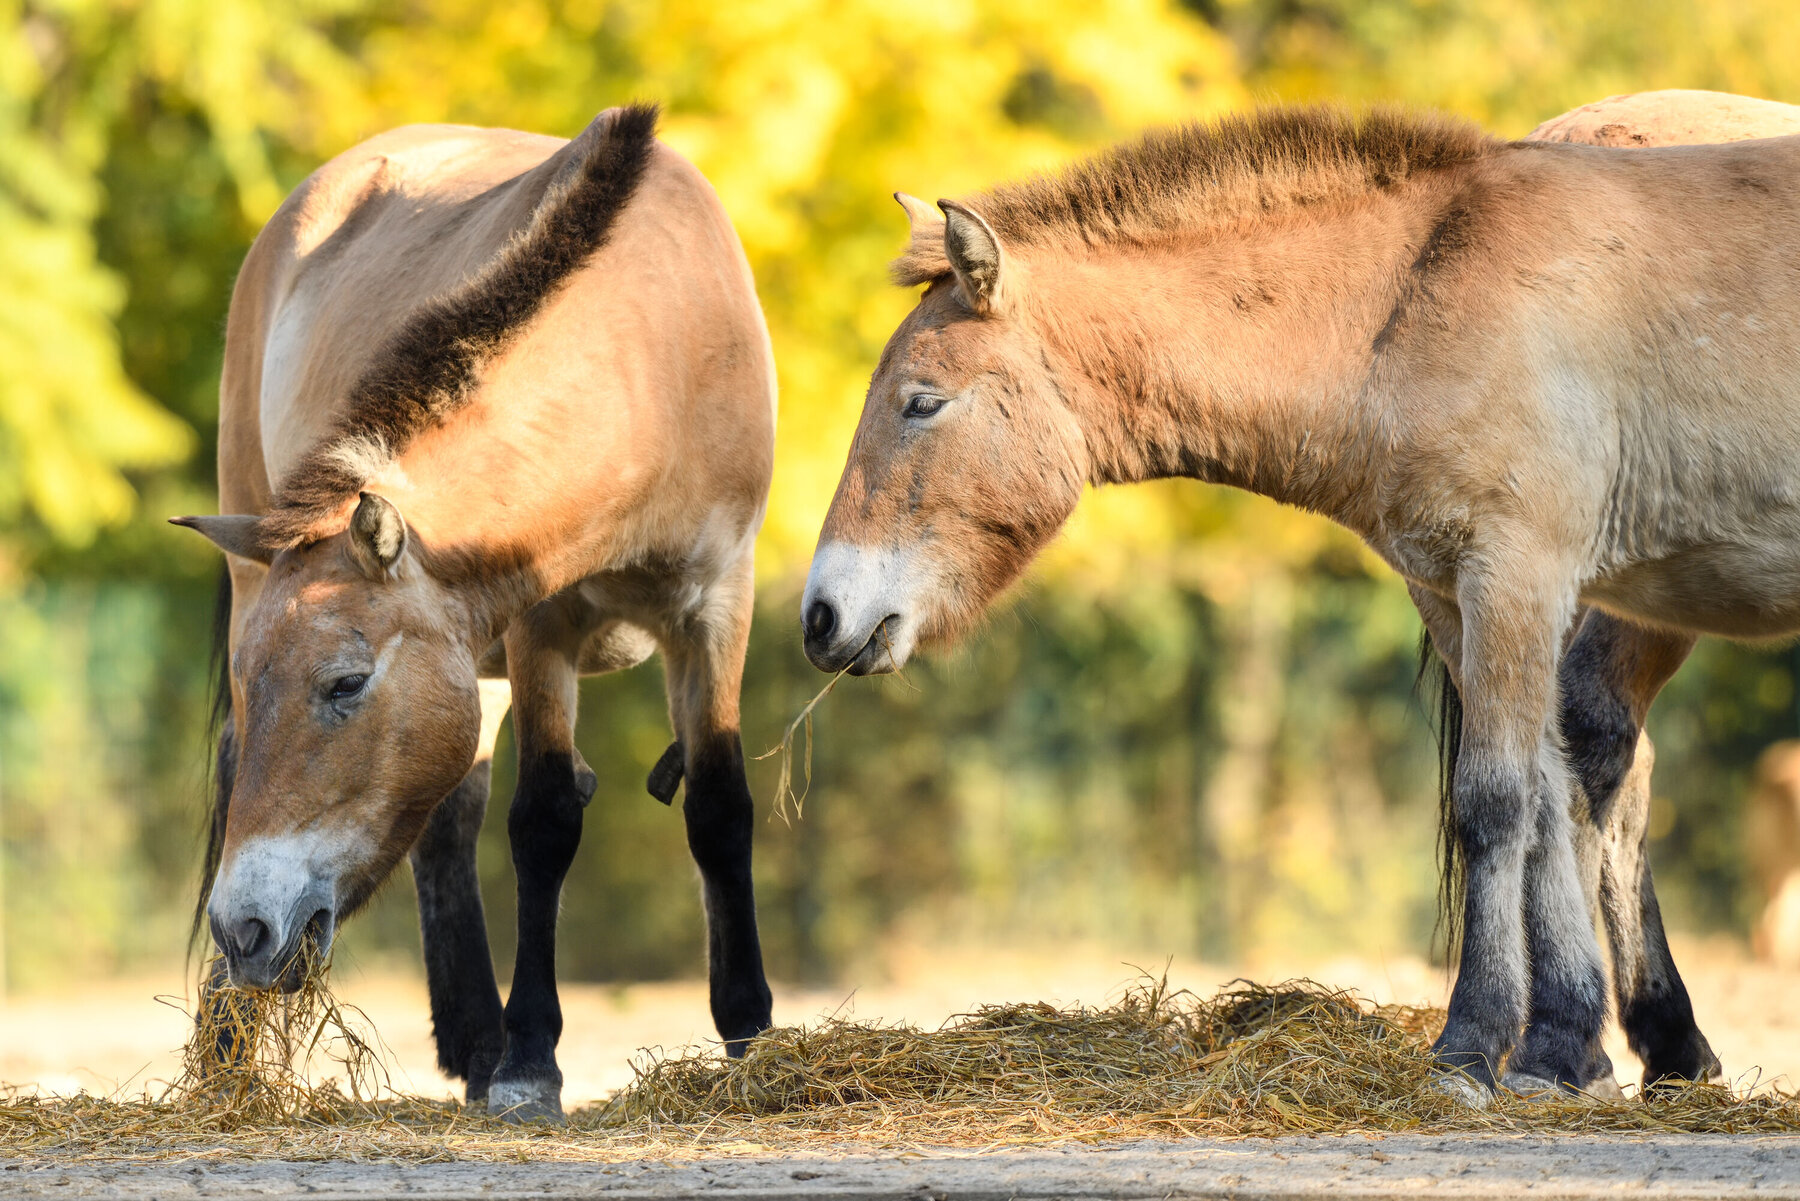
432,366
1199,175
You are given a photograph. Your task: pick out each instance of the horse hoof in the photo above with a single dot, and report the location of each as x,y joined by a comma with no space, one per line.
1604,1088
1532,1088
1461,1089
526,1101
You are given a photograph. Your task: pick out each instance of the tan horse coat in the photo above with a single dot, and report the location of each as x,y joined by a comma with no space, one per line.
480,387
1534,377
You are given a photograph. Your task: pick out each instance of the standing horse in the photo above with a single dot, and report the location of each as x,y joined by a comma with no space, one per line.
494,404
1612,672
1532,376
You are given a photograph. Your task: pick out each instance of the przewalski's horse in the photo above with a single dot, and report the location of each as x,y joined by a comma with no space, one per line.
1612,670
494,404
1532,376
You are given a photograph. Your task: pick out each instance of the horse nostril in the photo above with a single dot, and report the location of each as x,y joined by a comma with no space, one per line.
250,934
821,619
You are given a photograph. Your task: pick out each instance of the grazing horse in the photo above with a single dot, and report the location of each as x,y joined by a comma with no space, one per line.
494,405
1534,377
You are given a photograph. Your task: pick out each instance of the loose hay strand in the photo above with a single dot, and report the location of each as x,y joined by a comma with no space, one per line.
784,781
1254,1060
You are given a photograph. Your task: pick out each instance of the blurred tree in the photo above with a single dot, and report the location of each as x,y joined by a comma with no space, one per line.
71,421
1194,731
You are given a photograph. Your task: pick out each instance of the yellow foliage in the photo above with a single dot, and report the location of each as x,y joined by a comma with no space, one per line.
806,115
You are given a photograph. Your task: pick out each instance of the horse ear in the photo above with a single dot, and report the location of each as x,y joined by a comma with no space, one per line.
975,255
238,535
925,220
377,536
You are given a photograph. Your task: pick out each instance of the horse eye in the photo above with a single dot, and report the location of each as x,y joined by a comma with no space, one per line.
923,405
347,686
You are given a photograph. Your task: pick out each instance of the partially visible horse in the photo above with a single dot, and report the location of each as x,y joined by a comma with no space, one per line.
494,405
1536,378
1772,846
1610,676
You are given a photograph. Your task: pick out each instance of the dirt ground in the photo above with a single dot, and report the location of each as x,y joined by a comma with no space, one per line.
1411,1167
115,1036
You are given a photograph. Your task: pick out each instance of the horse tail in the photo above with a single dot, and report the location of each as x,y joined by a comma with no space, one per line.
221,734
1444,705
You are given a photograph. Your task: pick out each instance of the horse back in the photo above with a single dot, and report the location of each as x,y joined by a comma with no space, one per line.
650,356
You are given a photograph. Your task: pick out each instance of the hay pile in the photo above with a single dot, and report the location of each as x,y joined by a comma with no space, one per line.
1254,1060
1251,1061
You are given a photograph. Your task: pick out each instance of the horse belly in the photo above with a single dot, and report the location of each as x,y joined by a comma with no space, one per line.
1747,588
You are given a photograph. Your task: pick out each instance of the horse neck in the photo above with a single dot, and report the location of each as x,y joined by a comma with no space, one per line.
490,575
1242,357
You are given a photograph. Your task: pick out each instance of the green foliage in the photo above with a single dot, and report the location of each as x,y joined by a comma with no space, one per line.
1196,732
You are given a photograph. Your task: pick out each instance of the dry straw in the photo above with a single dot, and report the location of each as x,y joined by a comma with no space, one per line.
1251,1061
784,782
785,795
252,1055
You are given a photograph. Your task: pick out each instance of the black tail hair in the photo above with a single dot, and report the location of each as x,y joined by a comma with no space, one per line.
1444,705
220,736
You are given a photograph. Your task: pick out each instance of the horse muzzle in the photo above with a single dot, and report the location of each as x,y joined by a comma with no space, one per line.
855,613
271,915
258,956
869,656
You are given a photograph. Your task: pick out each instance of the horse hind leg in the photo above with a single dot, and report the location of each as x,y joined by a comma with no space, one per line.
1654,1008
466,1017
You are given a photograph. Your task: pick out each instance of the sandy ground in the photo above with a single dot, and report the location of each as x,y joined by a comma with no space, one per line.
116,1036
1410,1167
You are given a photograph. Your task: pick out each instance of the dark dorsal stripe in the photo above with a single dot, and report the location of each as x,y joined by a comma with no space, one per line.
431,367
1197,175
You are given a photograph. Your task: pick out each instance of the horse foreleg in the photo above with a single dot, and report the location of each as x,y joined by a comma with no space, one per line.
1561,1045
466,1018
705,666
1510,815
544,827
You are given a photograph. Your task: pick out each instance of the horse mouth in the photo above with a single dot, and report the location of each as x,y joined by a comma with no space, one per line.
289,968
308,952
877,654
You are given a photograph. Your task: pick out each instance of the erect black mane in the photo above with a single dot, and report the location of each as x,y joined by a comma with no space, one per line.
431,366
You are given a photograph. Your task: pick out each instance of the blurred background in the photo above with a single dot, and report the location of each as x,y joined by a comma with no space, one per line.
1193,733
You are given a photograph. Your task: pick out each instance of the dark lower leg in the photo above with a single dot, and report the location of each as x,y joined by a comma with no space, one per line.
1653,1002
545,828
466,1019
1561,1045
1609,678
720,822
1487,1005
